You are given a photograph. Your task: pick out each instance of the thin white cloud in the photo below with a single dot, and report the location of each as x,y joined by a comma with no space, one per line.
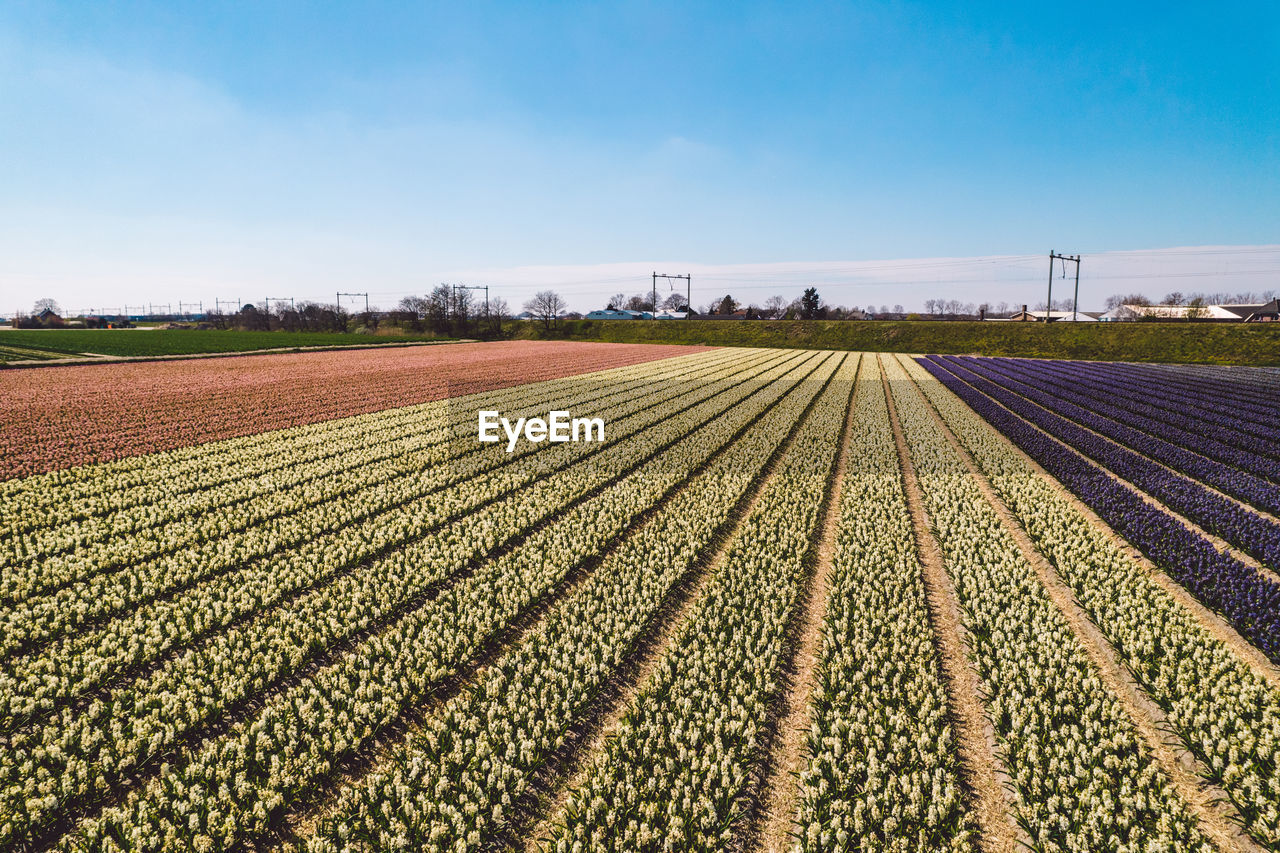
989,278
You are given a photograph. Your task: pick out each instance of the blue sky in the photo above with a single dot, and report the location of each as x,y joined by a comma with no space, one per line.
156,152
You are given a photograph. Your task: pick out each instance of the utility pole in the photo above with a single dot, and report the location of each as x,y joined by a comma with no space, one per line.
688,298
1053,256
484,287
218,303
365,295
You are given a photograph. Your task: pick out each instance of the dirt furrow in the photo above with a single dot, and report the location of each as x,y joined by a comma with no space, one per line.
771,826
989,783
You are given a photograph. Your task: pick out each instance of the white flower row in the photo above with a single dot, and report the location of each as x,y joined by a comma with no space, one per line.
882,770
455,784
674,775
70,759
1084,778
61,670
238,784
1226,714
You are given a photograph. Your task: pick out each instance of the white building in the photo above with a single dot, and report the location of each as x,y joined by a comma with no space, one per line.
1055,316
1231,312
618,314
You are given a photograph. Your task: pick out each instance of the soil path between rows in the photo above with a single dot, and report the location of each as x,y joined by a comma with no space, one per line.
988,780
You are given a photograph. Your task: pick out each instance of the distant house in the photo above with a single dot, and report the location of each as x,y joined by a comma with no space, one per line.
740,314
672,315
1266,313
525,315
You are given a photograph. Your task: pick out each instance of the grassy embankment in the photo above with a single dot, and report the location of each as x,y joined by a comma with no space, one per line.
1210,343
68,343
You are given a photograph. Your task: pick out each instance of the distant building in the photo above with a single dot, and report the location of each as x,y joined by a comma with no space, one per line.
1268,312
1025,316
619,314
1236,313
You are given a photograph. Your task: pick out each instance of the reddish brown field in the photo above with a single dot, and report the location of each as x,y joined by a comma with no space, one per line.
56,417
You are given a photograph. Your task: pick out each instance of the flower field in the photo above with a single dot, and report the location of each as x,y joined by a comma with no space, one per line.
794,600
57,417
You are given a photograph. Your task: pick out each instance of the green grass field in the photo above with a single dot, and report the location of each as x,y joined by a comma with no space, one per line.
56,343
1210,343
11,353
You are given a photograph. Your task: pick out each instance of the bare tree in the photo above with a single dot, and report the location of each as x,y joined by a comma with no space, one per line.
546,306
899,309
675,302
47,304
1118,299
462,305
775,307
1173,298
498,309
617,302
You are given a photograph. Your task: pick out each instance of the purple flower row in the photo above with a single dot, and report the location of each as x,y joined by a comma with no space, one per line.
1260,384
1263,380
1254,402
1147,439
1224,437
1196,398
1248,600
1217,514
